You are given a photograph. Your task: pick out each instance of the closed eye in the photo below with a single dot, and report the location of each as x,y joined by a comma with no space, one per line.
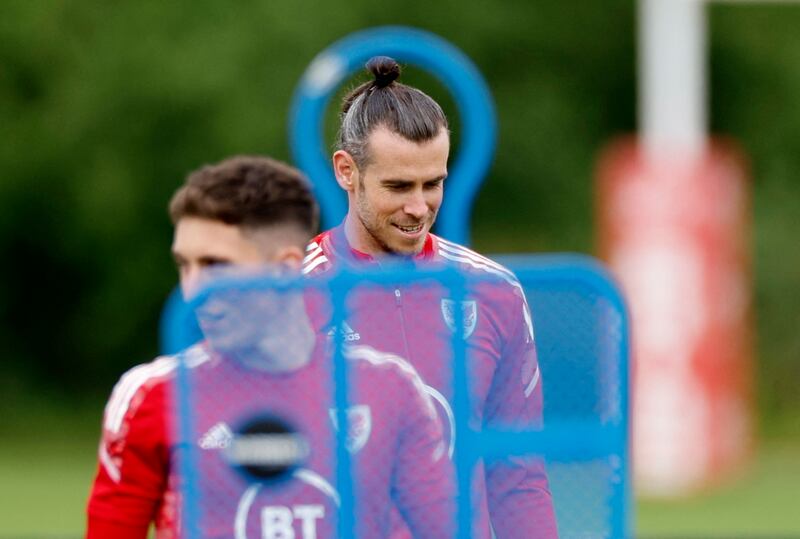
212,261
397,186
400,186
434,184
202,262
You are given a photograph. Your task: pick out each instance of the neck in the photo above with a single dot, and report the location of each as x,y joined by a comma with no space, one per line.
358,238
274,356
287,342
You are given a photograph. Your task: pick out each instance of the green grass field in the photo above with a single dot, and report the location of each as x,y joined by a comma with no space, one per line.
44,482
763,502
45,479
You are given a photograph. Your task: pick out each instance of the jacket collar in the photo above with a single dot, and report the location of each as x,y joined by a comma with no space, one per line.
343,249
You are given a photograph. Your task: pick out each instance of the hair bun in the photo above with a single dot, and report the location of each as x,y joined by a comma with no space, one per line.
385,70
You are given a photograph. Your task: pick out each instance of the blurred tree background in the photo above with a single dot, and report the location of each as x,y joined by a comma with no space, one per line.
105,106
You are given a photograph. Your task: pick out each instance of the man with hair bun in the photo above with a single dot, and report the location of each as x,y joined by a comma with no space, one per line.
391,160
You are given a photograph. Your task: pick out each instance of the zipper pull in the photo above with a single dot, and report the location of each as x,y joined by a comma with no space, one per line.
397,296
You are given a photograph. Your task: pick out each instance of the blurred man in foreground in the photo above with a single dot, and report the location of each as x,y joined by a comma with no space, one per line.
262,363
391,160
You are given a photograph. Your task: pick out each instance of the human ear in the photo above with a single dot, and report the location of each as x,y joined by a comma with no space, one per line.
290,256
345,170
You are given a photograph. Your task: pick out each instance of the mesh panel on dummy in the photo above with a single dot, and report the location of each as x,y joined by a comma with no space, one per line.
417,366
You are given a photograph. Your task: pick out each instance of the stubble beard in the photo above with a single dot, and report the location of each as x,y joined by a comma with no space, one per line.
369,222
367,219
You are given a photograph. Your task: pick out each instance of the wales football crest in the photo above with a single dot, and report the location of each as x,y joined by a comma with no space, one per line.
469,315
359,423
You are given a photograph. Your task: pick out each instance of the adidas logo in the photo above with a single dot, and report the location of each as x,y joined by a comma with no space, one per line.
218,437
347,333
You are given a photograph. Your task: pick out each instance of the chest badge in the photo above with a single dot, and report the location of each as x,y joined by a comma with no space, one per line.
359,423
469,315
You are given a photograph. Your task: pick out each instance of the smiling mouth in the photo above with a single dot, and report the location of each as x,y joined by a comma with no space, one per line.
410,229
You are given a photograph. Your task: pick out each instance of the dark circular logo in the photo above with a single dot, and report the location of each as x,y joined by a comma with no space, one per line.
267,448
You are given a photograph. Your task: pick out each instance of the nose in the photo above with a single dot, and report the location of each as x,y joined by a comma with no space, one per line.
416,205
190,281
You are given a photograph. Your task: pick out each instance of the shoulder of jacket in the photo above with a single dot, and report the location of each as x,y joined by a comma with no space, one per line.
145,377
393,369
374,360
474,262
318,255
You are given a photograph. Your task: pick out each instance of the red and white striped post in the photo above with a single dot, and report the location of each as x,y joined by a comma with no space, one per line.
673,222
675,233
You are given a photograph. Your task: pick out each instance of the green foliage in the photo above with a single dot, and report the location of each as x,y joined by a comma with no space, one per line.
755,88
106,106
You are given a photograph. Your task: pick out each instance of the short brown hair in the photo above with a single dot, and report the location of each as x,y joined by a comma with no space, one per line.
248,191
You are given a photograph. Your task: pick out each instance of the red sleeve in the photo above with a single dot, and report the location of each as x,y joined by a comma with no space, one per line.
520,503
133,460
105,529
423,479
